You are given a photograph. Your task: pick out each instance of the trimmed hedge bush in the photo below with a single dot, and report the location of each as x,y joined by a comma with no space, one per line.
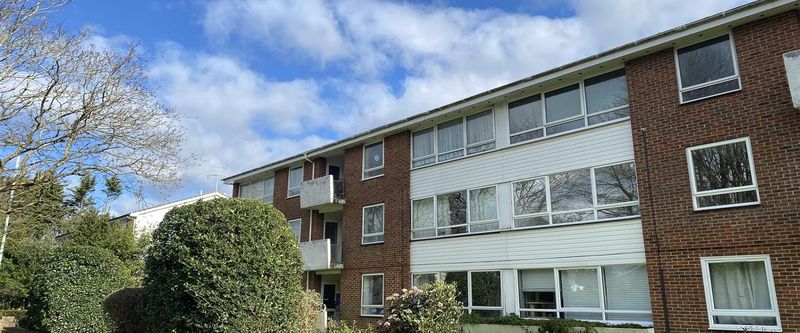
432,308
125,308
223,266
69,289
548,325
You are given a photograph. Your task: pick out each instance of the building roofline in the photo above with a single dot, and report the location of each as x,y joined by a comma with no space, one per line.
173,203
738,15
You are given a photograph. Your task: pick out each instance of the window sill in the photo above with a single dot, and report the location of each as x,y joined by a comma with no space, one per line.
370,316
292,196
374,243
740,328
370,178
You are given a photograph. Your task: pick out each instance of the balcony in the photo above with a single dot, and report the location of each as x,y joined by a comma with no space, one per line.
792,61
321,255
323,194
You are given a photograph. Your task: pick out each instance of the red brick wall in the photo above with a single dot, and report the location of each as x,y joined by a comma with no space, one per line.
392,256
762,110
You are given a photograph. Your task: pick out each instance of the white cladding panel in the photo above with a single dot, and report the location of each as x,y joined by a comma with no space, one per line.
604,243
592,147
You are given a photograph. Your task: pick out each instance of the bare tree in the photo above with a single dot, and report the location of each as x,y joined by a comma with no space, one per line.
71,109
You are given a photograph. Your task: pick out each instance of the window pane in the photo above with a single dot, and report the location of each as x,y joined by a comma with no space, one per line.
373,155
373,220
481,227
711,90
423,233
563,103
522,222
451,231
486,289
460,280
451,209
626,287
571,190
747,321
527,136
740,285
525,114
295,179
423,279
706,61
423,143
587,215
640,317
727,199
483,204
609,213
530,197
450,135
609,116
537,289
722,166
372,291
480,127
295,225
579,288
269,189
563,127
423,216
606,91
582,315
616,184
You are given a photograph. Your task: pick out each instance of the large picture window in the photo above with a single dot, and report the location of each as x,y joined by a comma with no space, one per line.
707,69
593,101
295,180
372,224
740,294
722,175
372,295
575,196
455,213
373,160
453,139
260,190
481,292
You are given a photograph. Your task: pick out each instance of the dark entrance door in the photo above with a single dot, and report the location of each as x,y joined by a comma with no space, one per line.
329,296
335,171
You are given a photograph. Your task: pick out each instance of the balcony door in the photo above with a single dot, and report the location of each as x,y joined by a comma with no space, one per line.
335,171
332,233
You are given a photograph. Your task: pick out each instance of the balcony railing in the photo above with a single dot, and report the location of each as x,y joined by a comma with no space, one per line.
323,194
319,255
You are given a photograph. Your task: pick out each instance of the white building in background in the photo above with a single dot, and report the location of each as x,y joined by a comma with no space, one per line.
146,220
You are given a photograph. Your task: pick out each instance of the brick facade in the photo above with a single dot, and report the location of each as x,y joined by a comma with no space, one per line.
763,111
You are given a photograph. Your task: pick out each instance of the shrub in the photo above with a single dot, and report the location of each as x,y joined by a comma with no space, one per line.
69,289
432,308
223,266
310,308
125,308
546,325
343,327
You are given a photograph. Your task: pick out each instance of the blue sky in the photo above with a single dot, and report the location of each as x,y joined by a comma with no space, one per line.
257,80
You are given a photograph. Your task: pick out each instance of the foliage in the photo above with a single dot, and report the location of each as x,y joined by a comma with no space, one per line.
310,308
69,290
432,308
553,323
223,266
343,327
22,259
81,195
125,308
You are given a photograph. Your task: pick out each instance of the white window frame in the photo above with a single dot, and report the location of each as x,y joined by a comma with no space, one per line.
693,182
300,221
435,131
736,76
469,223
584,113
712,311
364,220
289,187
471,307
596,207
599,270
372,306
364,160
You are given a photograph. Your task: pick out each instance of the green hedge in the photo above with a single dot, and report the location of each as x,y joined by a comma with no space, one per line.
223,266
125,308
69,289
515,320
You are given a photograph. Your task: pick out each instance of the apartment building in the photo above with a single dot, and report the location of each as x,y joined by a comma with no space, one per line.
655,183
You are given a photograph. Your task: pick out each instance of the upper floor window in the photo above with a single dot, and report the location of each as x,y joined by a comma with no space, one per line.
589,102
455,213
373,160
707,69
722,175
295,180
453,139
372,224
295,225
740,294
260,190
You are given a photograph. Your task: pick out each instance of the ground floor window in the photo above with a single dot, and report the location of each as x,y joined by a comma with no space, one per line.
740,293
372,295
479,291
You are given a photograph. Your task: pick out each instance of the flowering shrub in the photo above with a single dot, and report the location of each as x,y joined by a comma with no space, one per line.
310,308
432,308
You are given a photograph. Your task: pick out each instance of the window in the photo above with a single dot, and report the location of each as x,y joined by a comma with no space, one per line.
295,225
372,227
722,175
373,160
260,190
372,295
419,280
707,69
574,196
455,213
295,180
740,293
617,293
604,98
480,292
453,139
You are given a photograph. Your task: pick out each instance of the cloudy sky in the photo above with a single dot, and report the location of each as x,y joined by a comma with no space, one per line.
257,80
